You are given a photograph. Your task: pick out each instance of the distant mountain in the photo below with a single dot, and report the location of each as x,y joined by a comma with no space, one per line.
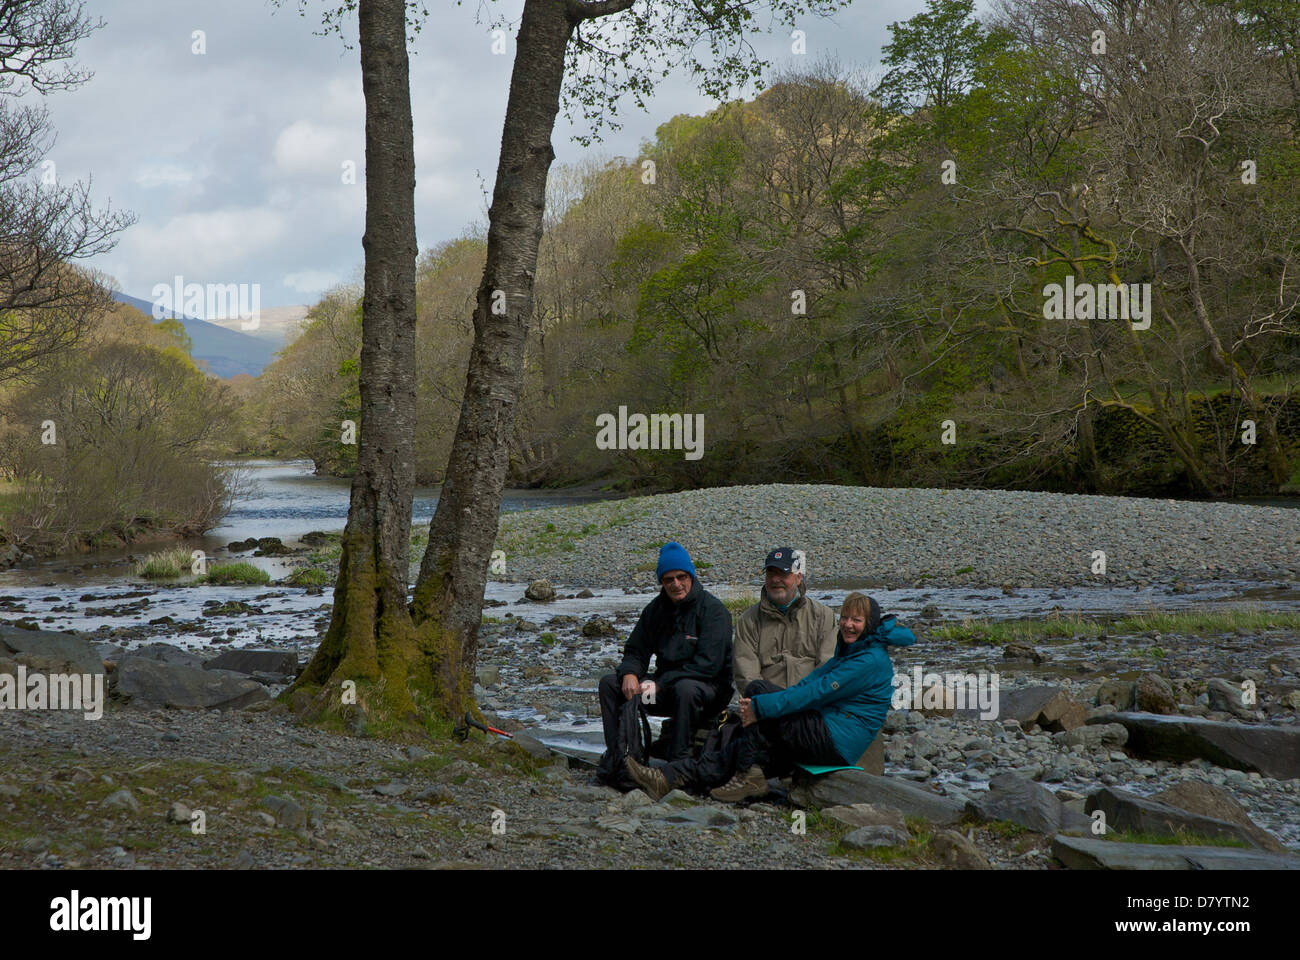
224,352
278,326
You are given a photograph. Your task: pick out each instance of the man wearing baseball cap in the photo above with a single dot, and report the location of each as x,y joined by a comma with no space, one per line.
787,634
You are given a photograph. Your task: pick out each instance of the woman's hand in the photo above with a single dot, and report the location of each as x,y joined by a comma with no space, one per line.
747,712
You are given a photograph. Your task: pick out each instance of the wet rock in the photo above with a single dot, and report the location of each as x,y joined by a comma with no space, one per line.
488,675
250,662
540,591
929,612
847,787
1153,694
1087,853
1270,750
1291,700
957,851
872,837
1021,651
147,681
584,595
598,627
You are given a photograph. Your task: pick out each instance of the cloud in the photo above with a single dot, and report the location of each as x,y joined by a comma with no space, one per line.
310,281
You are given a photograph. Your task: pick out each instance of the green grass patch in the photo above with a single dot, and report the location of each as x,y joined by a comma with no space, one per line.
167,565
958,573
530,535
309,577
1193,622
241,572
546,639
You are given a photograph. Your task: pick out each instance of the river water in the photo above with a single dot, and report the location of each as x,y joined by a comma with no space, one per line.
98,592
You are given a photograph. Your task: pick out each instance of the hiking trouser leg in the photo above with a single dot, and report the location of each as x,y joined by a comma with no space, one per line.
685,701
611,700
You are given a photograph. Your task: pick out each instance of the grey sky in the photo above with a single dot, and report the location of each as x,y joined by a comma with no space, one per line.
232,160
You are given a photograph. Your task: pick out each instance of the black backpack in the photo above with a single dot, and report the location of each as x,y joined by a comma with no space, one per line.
633,741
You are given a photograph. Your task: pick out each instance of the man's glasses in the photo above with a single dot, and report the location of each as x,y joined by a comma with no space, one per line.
669,578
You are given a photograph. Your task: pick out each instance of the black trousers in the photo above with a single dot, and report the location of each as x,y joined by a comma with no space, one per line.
687,701
775,745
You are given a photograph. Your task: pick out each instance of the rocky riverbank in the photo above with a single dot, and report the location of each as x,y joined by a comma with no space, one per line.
901,537
952,789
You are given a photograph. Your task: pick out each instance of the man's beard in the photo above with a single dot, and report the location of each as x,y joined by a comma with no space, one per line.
785,596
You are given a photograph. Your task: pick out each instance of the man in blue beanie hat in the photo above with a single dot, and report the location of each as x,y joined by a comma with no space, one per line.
688,632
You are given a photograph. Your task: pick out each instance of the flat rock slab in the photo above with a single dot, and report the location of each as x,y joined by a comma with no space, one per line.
1271,751
192,688
1087,853
71,649
249,662
847,787
867,815
1128,812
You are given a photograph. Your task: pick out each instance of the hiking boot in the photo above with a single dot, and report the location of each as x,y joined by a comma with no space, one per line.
745,785
649,779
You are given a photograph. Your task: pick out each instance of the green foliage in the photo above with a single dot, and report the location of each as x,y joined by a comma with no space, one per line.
241,572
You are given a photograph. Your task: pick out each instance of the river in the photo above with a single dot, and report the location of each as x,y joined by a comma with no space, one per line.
99,593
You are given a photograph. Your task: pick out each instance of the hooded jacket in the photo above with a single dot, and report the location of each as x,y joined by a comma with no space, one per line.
852,690
783,647
687,639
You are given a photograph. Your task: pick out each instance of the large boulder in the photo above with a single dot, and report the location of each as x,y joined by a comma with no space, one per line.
1089,853
50,652
1219,803
540,591
1128,812
1050,707
1019,800
1271,751
249,662
847,787
193,688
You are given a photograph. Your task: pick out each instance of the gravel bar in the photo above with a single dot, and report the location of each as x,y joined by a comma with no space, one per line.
901,537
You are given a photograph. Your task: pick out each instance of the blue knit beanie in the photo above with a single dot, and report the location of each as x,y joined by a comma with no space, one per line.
673,556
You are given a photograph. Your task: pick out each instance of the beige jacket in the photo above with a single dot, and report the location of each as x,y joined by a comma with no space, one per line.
782,647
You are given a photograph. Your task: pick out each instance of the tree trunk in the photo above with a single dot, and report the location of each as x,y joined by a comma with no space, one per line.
448,599
371,636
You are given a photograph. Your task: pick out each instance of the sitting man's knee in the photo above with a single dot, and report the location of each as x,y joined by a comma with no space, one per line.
692,691
755,687
610,681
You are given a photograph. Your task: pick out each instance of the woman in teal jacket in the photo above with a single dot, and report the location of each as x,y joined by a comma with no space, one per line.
828,718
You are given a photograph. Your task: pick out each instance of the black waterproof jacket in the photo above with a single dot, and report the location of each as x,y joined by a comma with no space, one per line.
687,639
